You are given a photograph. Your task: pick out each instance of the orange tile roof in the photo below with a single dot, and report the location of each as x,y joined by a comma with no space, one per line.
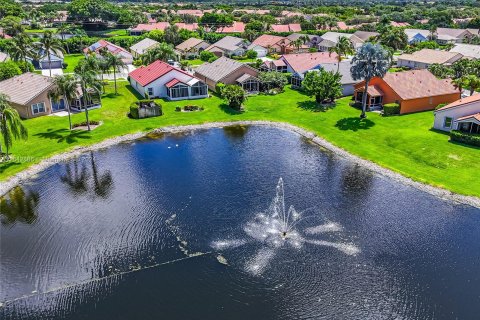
372,91
267,40
461,102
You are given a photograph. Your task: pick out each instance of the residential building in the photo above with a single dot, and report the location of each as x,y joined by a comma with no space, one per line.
365,36
399,24
29,94
273,44
449,35
100,45
426,57
236,27
347,81
41,60
291,27
187,26
192,47
463,114
142,46
311,43
229,46
228,71
161,80
417,35
469,51
260,50
147,27
415,90
330,39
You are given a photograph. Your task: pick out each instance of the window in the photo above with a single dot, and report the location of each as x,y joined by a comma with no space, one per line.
250,85
447,123
179,91
296,81
38,108
150,92
199,89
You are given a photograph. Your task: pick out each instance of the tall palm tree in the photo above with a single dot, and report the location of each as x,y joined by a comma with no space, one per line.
116,63
88,81
344,47
104,67
472,82
163,52
66,87
11,126
90,63
371,60
63,29
49,44
20,48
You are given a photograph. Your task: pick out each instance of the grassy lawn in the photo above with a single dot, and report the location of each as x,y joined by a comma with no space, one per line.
405,144
72,60
40,30
119,32
196,62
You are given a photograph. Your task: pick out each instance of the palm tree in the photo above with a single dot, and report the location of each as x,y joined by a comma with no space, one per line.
49,43
88,81
116,63
11,126
90,63
344,47
371,60
162,52
62,30
66,87
472,82
184,64
20,48
395,38
104,66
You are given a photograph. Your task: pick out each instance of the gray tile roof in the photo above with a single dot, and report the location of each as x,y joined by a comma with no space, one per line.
228,43
467,50
144,45
219,69
189,43
23,88
365,35
344,71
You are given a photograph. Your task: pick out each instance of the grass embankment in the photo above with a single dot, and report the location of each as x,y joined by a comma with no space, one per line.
405,144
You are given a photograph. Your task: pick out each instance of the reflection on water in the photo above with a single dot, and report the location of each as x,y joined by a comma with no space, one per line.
174,228
19,206
236,131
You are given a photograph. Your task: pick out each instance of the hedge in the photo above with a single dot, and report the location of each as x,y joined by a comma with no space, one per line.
467,138
390,109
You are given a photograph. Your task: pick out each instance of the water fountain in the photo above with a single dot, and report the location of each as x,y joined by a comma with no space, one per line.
278,228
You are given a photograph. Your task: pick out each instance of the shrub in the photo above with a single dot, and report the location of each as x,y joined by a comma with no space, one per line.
212,59
312,50
441,105
207,56
251,54
235,96
137,62
219,88
467,138
25,66
84,124
144,109
356,104
134,111
8,70
390,109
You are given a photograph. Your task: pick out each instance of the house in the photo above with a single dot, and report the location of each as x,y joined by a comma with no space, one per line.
417,35
426,57
347,81
101,45
449,35
187,26
291,27
3,57
41,60
299,64
399,24
147,27
260,50
29,94
312,42
236,27
330,39
365,36
192,47
161,80
469,51
228,71
229,46
142,46
415,90
273,44
463,114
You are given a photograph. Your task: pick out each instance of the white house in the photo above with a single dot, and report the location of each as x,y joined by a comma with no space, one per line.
161,80
463,114
260,50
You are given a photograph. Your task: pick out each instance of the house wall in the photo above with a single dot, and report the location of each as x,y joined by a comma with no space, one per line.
348,89
412,64
159,88
261,51
454,113
427,103
25,111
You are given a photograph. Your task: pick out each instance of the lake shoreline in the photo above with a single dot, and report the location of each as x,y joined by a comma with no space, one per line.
27,174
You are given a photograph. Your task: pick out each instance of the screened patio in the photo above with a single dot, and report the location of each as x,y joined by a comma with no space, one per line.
249,83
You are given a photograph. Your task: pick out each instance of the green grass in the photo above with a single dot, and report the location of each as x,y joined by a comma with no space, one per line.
118,32
405,144
40,30
196,62
72,60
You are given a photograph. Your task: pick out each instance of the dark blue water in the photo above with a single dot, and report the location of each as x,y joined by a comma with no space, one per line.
128,233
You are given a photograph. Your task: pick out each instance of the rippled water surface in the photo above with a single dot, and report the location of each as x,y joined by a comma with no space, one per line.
181,227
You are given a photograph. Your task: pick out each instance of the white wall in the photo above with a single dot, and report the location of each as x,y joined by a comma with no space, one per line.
455,113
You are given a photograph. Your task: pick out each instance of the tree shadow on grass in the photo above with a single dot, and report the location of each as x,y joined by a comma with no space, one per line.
64,135
225,108
134,92
354,124
7,164
314,107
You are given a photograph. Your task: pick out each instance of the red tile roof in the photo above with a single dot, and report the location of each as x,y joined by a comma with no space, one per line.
292,27
103,44
399,24
172,82
187,26
461,102
153,26
267,40
302,62
237,26
147,74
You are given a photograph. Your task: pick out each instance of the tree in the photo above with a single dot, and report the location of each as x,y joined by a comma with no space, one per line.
251,54
10,8
63,29
184,64
234,95
171,35
89,10
273,80
213,21
20,48
163,52
323,85
395,38
9,69
87,79
115,63
371,60
65,86
49,44
472,82
440,71
343,48
11,126
207,55
12,25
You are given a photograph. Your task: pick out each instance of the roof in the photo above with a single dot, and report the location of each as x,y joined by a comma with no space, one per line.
187,26
23,88
344,70
334,36
399,24
372,91
173,82
236,27
413,32
475,116
228,43
151,26
365,35
431,56
467,50
301,62
188,44
245,77
450,32
143,45
461,102
292,27
219,69
147,74
296,36
416,84
112,48
267,40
